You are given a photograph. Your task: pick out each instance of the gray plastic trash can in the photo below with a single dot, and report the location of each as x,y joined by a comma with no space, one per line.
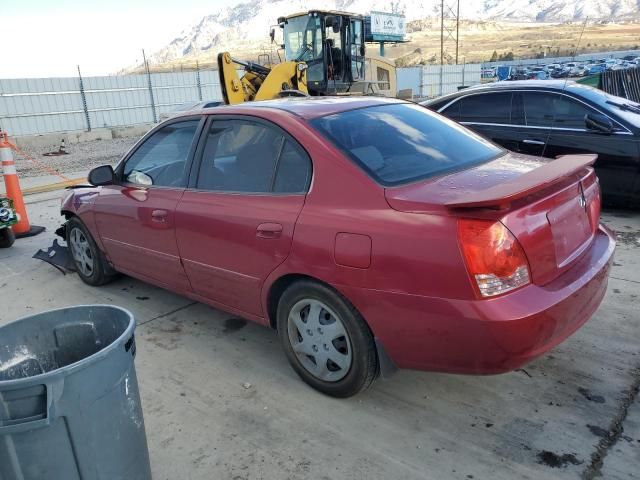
69,401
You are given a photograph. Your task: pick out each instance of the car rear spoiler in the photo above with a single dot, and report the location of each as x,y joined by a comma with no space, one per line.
503,194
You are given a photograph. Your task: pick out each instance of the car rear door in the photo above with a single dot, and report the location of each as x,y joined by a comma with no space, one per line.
487,113
235,223
136,217
553,124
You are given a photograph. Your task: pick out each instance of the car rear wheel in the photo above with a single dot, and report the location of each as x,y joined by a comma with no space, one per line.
7,237
88,258
326,340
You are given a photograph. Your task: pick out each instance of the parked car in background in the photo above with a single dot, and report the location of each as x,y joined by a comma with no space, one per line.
537,75
595,68
559,73
555,118
519,73
578,71
188,106
332,220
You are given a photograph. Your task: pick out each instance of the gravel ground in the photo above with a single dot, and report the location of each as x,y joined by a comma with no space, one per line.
80,157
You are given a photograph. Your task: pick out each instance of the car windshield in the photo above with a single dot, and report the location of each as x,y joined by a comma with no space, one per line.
624,108
401,143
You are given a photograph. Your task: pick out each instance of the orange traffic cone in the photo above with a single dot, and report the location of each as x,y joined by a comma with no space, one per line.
12,185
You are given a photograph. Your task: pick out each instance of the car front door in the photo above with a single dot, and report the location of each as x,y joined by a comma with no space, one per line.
554,125
136,217
235,223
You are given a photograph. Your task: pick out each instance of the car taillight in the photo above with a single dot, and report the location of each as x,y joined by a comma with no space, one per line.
494,258
593,209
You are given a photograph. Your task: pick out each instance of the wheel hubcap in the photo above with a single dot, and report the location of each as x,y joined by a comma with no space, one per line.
319,340
81,251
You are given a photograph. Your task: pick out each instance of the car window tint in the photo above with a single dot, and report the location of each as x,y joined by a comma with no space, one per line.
546,109
162,159
452,111
242,156
293,172
399,143
486,108
517,109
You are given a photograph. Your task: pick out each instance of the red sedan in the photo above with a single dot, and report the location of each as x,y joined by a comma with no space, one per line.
371,233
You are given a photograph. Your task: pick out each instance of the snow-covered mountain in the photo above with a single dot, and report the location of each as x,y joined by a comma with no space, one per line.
248,22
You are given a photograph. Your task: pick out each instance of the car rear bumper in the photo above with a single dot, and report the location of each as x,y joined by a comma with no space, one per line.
487,336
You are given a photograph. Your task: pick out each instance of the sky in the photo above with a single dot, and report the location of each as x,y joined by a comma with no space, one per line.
49,38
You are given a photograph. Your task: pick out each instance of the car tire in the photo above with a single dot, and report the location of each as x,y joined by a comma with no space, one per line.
89,260
326,340
7,237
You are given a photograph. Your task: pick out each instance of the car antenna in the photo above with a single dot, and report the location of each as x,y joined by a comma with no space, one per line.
564,87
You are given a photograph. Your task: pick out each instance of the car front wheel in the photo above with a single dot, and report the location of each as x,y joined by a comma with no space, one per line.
87,257
326,340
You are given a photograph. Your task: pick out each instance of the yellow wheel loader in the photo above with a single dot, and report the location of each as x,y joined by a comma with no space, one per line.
324,55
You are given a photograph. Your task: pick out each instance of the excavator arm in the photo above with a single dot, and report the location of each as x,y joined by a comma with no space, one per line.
260,82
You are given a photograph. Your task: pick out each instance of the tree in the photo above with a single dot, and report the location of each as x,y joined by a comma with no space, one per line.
506,56
494,57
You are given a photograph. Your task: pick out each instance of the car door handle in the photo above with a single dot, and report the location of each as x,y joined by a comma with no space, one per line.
533,142
269,230
159,215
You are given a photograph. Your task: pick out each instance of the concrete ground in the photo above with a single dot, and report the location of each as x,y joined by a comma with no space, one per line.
220,400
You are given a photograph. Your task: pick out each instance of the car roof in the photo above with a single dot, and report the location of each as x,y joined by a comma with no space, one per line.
548,85
306,107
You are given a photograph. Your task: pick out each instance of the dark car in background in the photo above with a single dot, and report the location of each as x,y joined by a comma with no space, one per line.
552,118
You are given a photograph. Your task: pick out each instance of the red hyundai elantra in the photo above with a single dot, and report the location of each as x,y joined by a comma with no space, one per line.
370,232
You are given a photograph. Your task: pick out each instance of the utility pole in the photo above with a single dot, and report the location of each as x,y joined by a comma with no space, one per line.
442,32
153,103
448,33
83,96
457,29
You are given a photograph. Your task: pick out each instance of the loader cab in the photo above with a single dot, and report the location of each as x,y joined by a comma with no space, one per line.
332,46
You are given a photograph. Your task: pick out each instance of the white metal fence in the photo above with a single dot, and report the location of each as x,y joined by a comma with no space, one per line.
442,79
46,105
35,106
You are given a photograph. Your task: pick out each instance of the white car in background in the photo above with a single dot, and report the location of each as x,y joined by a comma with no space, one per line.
187,106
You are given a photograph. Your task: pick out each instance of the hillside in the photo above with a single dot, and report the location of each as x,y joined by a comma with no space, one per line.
243,29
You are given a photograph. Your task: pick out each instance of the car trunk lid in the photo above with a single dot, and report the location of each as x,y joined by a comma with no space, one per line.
551,206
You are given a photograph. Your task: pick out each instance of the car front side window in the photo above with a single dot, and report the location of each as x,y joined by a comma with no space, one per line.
162,159
543,109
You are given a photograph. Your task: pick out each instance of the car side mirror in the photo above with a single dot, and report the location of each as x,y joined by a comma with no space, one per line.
272,35
598,123
102,175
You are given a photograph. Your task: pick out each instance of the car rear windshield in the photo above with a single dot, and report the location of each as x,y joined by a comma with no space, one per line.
402,143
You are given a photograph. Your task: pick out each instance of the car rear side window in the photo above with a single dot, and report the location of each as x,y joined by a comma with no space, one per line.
542,109
486,108
452,111
247,156
400,143
162,159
